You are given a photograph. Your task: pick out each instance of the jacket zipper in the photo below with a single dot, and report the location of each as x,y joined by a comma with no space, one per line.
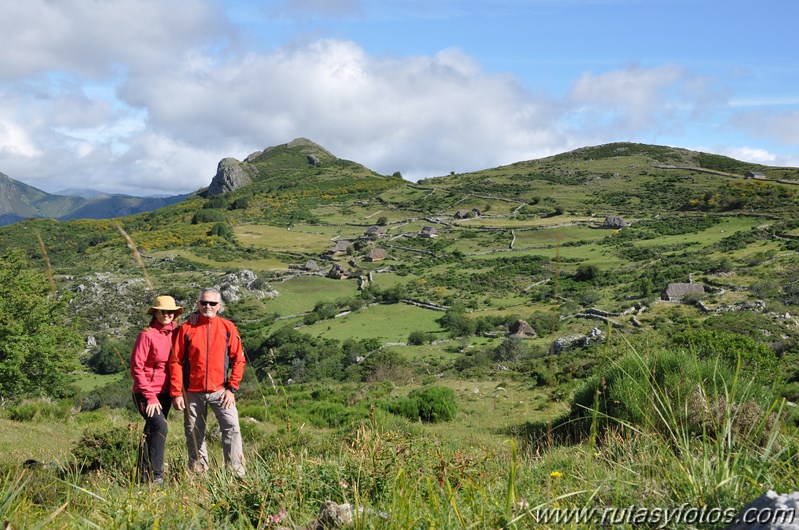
207,351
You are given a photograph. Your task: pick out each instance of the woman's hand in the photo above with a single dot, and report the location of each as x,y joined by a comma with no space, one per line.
152,409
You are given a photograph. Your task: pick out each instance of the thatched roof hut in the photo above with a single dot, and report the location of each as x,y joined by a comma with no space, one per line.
675,292
376,254
340,247
375,231
522,329
428,231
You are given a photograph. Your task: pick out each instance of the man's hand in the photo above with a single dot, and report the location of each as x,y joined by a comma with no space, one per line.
153,409
229,399
178,403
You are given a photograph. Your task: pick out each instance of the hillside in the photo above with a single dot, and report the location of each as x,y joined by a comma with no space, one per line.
624,314
524,241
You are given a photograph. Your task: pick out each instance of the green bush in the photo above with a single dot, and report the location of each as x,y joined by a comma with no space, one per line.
208,216
112,450
242,203
221,230
431,404
417,338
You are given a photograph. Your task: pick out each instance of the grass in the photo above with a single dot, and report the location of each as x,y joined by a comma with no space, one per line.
281,239
300,294
479,471
369,323
261,264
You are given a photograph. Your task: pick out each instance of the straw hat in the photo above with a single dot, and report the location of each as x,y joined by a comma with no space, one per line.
166,303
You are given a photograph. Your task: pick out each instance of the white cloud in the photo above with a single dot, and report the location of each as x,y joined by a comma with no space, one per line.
146,97
627,100
15,140
95,38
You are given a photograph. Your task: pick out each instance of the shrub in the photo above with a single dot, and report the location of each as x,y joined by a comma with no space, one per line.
221,230
431,404
511,349
586,272
242,203
208,216
112,450
417,338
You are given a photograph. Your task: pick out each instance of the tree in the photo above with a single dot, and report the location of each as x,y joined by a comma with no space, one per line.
38,349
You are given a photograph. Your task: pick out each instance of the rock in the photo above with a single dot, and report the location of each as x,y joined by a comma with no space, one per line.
230,175
313,160
332,515
770,511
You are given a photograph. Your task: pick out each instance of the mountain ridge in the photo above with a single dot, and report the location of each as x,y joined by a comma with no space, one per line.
20,201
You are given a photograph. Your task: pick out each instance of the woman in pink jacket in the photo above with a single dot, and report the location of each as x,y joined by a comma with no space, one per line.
149,369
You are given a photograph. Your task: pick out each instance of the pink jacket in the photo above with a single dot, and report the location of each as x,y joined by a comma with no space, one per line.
148,362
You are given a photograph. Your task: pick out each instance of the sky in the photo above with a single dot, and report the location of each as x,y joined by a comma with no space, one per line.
145,97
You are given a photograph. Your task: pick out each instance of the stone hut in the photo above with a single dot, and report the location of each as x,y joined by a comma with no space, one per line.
376,254
614,221
310,265
463,214
340,247
522,329
757,175
675,292
428,231
375,231
337,272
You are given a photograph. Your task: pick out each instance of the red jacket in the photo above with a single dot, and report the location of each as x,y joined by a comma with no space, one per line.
148,361
206,356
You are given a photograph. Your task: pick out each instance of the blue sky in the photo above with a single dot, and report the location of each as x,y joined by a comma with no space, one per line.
146,97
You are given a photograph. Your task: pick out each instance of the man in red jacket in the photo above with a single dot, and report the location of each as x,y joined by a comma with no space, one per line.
205,368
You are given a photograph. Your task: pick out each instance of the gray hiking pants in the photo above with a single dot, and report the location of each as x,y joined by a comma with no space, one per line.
194,418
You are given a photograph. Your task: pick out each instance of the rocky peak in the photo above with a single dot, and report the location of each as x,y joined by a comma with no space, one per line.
230,175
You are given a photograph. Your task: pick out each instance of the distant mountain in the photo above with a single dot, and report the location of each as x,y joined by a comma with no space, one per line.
20,201
85,193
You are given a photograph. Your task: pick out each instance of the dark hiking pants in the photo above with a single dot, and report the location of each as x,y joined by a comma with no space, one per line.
151,448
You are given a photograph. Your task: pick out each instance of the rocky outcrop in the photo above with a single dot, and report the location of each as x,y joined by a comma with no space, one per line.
232,286
576,341
230,175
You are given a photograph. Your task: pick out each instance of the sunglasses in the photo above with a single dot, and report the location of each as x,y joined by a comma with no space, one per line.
208,302
167,312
